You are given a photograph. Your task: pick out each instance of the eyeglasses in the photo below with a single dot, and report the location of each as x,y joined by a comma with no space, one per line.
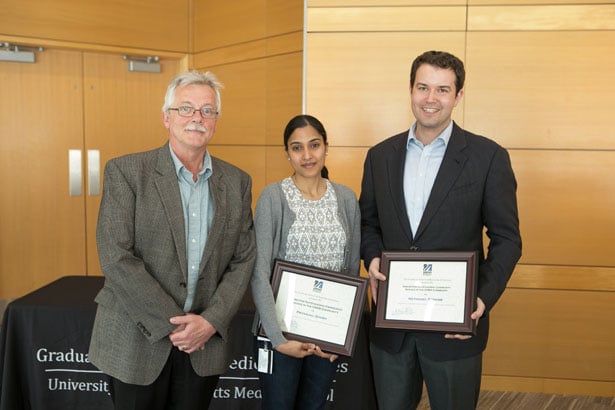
188,111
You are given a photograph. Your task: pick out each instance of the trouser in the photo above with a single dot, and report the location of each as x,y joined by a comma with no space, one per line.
177,387
398,377
299,384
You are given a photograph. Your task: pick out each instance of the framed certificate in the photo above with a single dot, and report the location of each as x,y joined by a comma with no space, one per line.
318,306
433,291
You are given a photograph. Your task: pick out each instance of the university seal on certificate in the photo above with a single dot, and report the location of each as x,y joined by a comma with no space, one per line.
433,291
318,306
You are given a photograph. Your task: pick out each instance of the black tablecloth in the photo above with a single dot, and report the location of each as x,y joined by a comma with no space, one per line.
44,366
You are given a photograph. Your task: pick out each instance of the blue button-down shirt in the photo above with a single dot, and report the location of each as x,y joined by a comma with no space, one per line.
198,215
420,170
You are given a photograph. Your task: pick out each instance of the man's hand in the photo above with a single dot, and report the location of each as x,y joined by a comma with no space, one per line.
374,276
476,315
191,333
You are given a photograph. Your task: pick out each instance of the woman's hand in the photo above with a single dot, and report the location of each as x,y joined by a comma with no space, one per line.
296,349
329,356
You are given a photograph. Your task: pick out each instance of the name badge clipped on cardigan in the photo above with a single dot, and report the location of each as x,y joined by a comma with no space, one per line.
265,356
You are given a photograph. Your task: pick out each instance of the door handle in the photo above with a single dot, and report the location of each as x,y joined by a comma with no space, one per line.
74,172
93,172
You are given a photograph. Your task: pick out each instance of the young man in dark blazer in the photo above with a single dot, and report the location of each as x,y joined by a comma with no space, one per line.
435,187
176,244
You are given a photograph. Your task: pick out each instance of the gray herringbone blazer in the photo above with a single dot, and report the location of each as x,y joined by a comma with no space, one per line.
142,249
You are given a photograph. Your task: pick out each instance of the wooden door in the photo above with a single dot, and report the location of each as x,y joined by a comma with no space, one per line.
42,227
88,104
122,115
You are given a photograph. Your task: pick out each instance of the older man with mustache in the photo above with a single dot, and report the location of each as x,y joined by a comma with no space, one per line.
176,245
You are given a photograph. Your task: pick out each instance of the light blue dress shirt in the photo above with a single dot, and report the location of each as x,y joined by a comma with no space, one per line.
420,170
198,215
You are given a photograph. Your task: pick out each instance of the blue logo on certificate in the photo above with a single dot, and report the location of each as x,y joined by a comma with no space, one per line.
318,284
427,269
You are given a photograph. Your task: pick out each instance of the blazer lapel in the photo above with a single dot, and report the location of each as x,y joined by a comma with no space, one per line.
396,181
168,189
217,189
450,169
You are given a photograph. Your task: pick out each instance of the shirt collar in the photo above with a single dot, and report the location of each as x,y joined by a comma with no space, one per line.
206,170
444,136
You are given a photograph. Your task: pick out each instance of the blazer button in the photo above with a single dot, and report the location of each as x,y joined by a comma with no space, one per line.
182,284
414,248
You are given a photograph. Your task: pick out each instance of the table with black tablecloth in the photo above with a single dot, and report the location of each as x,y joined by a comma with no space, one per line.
44,365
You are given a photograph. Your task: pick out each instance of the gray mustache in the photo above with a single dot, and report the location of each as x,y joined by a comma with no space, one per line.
196,127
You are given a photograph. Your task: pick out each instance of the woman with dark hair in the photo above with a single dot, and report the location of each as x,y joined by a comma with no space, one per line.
306,219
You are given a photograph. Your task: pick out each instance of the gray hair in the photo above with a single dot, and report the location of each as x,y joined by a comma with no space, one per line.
189,78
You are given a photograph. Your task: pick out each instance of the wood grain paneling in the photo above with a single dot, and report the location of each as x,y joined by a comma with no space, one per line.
533,2
248,158
566,204
284,92
538,82
546,385
42,228
284,16
284,44
345,165
364,3
541,89
243,110
362,93
548,17
256,48
552,334
122,112
361,19
563,277
155,24
222,23
260,96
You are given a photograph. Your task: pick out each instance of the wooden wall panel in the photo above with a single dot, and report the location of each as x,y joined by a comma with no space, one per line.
573,277
538,76
243,110
277,164
533,2
284,91
284,16
362,94
364,3
539,89
345,165
158,25
357,19
549,17
258,55
224,24
566,204
552,334
251,159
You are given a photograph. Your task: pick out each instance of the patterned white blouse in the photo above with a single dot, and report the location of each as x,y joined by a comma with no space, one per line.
316,237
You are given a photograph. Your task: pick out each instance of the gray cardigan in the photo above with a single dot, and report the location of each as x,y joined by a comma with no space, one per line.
272,221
